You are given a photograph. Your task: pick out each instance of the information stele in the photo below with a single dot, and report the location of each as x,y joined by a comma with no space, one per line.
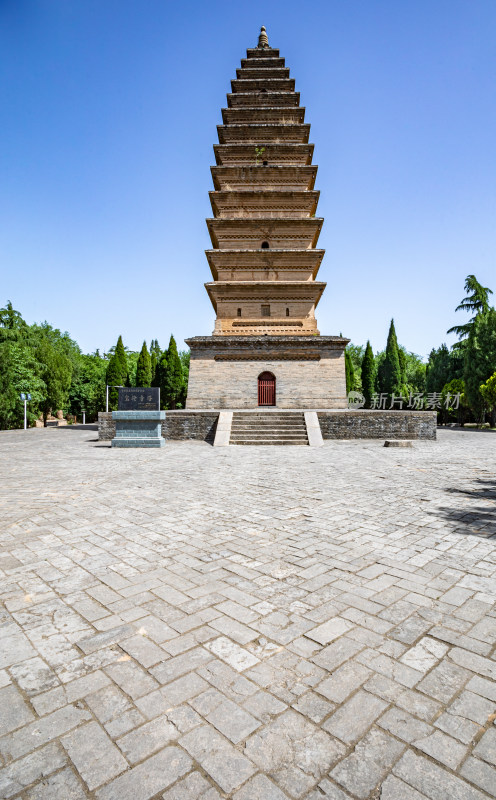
139,399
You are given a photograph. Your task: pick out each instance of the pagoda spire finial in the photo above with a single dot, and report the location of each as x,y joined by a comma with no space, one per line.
263,39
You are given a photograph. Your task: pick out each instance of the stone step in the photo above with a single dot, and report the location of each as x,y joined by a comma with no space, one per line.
265,425
268,428
268,431
296,442
268,435
277,422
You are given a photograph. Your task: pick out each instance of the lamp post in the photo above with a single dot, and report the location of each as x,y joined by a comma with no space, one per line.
109,386
25,396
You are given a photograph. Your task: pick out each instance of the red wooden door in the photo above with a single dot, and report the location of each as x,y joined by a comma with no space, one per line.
266,389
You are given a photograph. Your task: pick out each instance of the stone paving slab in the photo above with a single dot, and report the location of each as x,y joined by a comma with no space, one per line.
249,623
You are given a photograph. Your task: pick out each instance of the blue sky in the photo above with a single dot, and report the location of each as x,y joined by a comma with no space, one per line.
108,114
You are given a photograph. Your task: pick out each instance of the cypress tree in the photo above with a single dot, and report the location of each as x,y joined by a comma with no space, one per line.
175,378
402,360
155,354
121,355
390,371
144,368
160,376
349,371
368,375
170,376
117,373
153,369
439,369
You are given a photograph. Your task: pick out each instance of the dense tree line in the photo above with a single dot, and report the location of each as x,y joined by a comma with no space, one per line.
166,369
48,364
393,370
467,369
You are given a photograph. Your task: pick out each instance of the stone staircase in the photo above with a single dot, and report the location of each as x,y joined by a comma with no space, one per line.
268,427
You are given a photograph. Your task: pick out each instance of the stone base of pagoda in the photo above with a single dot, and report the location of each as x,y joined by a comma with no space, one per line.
309,371
201,425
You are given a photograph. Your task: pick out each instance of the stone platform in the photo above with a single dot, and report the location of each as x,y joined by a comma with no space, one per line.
224,370
195,623
334,424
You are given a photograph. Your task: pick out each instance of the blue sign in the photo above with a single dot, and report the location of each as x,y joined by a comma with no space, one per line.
23,396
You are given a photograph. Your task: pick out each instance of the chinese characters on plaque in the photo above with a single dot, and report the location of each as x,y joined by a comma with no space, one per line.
139,399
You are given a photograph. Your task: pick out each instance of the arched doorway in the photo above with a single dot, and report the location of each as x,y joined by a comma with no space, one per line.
266,389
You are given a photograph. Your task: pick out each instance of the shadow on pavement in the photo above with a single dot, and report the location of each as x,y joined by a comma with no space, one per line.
477,519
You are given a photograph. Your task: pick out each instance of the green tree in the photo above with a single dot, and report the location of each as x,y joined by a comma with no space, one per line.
414,372
26,377
132,366
402,361
57,356
154,362
9,399
171,377
389,370
60,340
349,372
117,373
56,372
87,391
144,368
356,352
480,360
185,357
488,392
449,390
19,368
10,318
438,371
477,300
155,354
161,376
155,348
368,372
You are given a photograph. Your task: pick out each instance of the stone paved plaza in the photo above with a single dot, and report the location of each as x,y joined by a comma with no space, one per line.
251,623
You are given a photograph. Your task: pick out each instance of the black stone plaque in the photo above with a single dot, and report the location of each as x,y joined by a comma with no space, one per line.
139,399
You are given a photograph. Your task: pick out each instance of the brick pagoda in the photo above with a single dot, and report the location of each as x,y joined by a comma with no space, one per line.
265,348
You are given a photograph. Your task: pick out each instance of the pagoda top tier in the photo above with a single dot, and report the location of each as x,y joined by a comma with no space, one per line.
257,52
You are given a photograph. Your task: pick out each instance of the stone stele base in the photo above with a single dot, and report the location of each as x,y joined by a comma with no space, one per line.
138,428
224,370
